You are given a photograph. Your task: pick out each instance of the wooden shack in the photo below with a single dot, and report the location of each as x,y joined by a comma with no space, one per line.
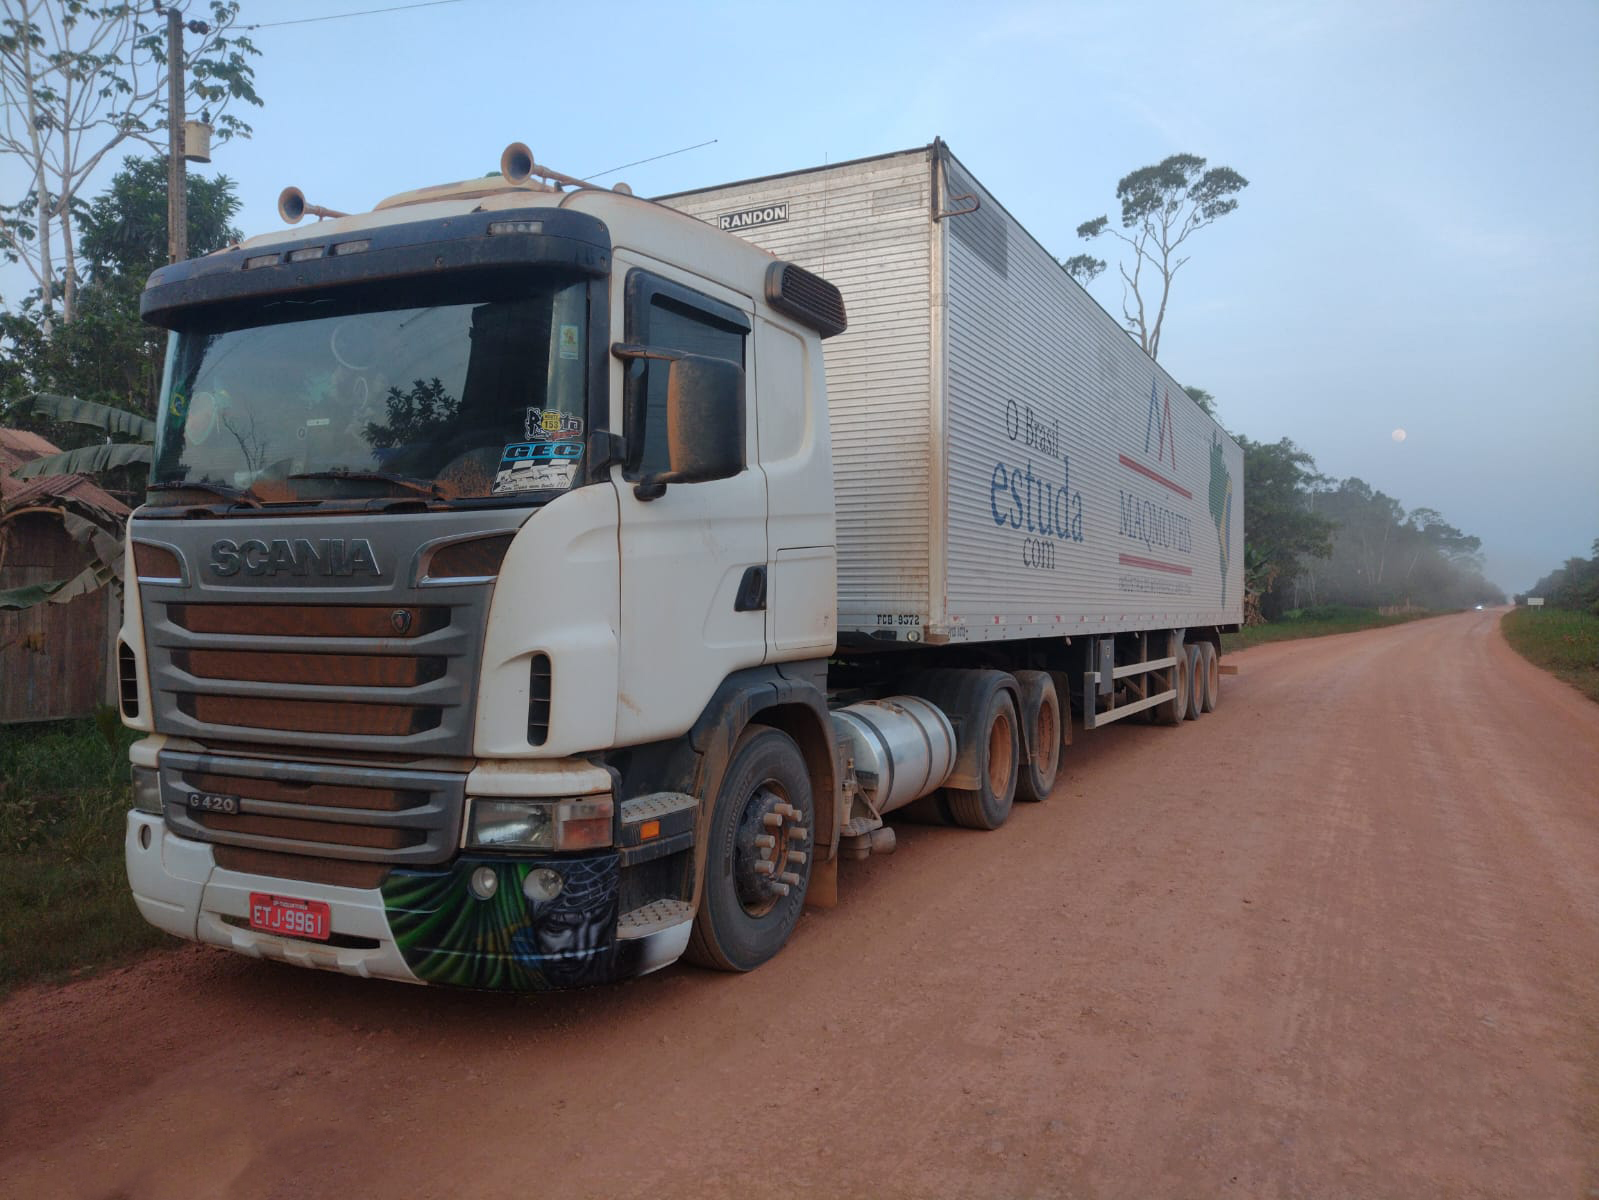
56,660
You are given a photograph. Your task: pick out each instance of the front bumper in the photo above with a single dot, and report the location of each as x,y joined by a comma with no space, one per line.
422,925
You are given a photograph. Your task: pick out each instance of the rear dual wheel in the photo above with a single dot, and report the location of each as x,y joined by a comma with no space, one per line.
1211,663
1042,715
980,705
1196,683
1175,710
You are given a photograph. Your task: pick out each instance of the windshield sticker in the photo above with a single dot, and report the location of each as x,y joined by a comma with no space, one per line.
202,419
568,341
551,425
537,466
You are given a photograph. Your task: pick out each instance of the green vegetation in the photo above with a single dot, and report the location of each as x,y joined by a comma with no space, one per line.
1315,622
64,902
1573,586
1563,642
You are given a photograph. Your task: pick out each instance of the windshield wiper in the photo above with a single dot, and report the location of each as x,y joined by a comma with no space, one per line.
237,495
421,487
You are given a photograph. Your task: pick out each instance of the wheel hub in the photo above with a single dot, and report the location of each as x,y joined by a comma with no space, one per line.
770,846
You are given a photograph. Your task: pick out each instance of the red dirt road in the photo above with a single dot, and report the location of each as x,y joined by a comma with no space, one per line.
1338,938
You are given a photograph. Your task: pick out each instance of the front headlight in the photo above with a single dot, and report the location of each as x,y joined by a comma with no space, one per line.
582,823
147,790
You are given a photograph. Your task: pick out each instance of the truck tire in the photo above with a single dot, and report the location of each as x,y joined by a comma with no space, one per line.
1041,717
747,910
999,752
976,702
1196,684
1173,711
1065,695
1211,662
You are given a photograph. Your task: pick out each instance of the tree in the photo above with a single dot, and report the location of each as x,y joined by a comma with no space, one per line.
1162,207
1382,556
1280,526
1574,586
79,80
1206,402
107,354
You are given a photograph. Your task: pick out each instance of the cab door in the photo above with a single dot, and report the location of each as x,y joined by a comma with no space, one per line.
694,555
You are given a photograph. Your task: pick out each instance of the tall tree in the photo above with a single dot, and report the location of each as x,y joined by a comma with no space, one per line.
80,79
1161,208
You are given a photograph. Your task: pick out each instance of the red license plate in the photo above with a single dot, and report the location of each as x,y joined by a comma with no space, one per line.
290,917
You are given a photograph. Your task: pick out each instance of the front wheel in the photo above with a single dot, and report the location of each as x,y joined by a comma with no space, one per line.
757,855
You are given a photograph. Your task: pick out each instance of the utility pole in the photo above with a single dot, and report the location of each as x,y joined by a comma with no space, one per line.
177,172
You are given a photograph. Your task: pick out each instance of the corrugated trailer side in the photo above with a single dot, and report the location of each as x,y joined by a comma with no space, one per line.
864,227
1087,492
1008,463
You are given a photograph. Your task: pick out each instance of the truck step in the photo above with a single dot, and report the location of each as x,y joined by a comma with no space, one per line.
652,918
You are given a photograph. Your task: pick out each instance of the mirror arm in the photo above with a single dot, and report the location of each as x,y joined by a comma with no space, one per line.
634,354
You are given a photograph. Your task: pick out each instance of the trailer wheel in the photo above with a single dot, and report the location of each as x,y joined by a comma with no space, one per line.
1041,717
1196,684
998,763
1211,662
1173,711
757,856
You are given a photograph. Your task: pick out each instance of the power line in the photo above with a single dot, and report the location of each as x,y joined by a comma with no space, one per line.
367,12
652,158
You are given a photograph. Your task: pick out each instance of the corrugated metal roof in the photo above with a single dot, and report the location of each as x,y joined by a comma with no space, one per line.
27,446
18,446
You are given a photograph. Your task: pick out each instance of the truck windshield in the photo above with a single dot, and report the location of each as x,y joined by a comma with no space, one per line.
438,397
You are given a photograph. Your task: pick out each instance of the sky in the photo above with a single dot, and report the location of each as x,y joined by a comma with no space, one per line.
1416,249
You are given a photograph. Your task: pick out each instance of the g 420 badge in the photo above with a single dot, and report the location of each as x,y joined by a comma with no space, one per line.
537,466
551,425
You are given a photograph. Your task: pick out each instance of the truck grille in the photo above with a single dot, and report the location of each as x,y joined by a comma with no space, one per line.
371,665
299,673
314,811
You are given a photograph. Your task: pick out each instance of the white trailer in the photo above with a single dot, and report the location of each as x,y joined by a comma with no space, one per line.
1008,463
583,576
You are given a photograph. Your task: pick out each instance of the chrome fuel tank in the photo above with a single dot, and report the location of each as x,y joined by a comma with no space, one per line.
903,748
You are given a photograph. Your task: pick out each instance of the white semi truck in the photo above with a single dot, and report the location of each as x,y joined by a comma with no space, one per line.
538,583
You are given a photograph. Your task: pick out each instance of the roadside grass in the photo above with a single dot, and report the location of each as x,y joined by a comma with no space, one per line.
1562,642
64,902
1315,622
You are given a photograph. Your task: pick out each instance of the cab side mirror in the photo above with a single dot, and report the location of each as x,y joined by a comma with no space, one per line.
704,419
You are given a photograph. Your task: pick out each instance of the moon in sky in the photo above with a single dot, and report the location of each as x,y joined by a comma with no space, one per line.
1399,435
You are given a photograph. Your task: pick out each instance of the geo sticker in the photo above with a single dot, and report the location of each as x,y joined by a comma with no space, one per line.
568,341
